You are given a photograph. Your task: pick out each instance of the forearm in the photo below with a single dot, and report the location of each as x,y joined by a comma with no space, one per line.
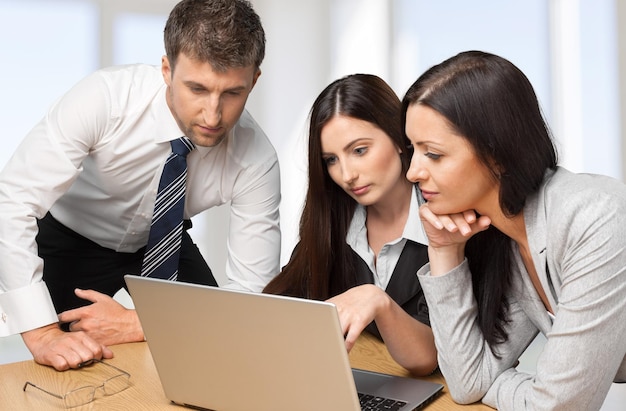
465,359
410,342
127,329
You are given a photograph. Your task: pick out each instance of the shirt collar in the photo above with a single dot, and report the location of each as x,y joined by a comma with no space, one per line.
168,126
414,230
357,226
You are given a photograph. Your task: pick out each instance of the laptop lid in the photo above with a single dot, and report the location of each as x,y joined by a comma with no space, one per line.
230,350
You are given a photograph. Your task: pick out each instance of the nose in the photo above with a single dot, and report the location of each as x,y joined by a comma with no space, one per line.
348,173
212,111
416,172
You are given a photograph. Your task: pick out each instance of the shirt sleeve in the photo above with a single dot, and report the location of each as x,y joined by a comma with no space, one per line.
254,233
43,167
586,344
465,359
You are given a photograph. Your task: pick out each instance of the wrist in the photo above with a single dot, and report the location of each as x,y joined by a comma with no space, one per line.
444,259
35,335
137,334
378,298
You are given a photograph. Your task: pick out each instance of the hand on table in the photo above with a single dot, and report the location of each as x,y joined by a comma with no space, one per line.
105,320
61,350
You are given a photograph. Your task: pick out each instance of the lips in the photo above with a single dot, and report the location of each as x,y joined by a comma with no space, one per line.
210,130
360,190
428,194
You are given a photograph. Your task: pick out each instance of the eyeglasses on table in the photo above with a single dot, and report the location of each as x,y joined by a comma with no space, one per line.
86,394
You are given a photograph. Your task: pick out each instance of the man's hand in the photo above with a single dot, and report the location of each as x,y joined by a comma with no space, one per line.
105,320
54,347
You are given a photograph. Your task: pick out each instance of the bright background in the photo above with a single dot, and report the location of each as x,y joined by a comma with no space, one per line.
567,48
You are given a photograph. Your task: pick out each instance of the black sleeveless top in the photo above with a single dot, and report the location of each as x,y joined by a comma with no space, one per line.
404,287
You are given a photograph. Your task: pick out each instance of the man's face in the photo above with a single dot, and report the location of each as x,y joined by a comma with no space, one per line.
206,103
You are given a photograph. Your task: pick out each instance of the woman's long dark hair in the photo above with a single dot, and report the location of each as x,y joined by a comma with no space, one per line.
492,104
322,264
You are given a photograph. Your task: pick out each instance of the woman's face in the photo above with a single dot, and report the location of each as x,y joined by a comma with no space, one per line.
361,158
450,176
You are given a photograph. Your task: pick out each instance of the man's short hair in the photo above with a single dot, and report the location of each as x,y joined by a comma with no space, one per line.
224,33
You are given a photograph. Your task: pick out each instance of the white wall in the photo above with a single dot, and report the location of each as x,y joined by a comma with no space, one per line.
566,47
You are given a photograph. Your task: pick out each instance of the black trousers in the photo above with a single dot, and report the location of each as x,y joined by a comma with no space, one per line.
73,261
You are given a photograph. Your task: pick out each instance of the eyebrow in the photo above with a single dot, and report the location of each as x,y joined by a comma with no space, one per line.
350,144
427,143
191,83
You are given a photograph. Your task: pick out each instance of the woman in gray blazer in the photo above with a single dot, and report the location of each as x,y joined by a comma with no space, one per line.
517,244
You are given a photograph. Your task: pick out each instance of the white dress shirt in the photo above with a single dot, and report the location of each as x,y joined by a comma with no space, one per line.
389,254
95,160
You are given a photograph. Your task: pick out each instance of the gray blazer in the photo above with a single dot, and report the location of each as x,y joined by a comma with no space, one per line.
576,227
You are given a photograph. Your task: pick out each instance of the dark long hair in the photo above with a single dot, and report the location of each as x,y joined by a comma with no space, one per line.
492,104
321,265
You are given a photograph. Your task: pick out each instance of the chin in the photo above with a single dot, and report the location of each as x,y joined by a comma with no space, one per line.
365,202
442,209
209,141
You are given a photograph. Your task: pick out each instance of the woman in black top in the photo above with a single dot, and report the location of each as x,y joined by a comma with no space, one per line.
361,240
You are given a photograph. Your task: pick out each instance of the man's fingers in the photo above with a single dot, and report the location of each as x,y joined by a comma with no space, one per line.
89,295
70,316
74,326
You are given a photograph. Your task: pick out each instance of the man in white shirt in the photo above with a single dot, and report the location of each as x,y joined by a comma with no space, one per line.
78,195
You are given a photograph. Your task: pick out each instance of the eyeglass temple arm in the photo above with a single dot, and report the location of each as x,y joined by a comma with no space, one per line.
27,383
112,366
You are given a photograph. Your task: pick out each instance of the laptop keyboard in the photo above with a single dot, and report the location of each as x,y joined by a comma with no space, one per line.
375,403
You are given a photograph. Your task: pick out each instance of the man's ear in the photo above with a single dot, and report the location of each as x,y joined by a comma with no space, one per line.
256,77
166,70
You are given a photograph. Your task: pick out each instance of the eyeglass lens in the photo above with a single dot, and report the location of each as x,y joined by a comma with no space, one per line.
85,395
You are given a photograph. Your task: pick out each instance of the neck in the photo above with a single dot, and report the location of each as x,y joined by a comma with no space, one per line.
395,205
513,227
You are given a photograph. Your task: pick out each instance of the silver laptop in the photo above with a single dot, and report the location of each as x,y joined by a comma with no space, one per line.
228,350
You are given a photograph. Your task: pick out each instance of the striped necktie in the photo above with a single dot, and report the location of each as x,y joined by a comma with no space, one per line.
163,249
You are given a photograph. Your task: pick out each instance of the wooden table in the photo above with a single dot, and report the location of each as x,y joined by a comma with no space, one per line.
369,353
146,393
